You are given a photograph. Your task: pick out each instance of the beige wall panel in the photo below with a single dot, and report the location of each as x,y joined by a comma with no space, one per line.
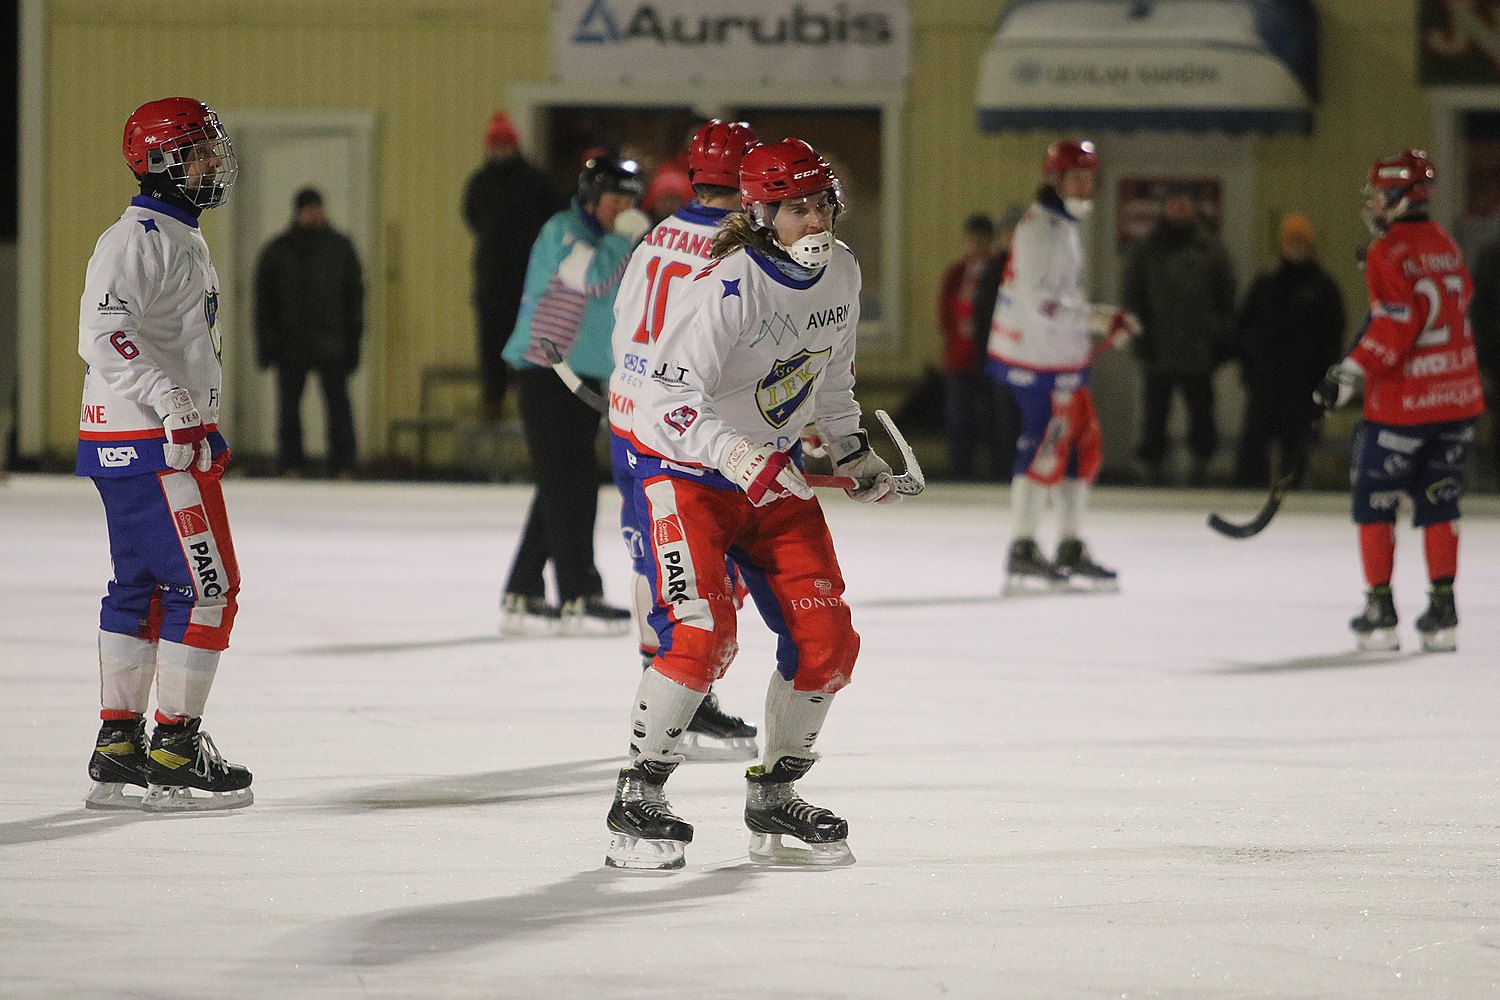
433,70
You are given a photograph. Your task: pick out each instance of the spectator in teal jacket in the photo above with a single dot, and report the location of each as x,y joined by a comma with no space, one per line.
575,268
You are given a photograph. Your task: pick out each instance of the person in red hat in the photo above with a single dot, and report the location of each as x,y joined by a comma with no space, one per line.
506,203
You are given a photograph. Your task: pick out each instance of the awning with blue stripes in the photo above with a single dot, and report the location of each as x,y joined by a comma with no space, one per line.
1195,65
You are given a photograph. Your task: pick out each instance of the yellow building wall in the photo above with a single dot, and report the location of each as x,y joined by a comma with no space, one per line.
432,71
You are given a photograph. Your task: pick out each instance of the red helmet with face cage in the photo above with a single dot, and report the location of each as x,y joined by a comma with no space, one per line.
1069,154
1399,183
716,151
782,170
163,137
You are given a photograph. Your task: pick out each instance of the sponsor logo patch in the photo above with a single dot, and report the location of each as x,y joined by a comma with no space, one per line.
667,530
190,521
117,458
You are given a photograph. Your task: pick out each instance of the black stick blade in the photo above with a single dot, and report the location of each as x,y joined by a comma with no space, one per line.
1250,528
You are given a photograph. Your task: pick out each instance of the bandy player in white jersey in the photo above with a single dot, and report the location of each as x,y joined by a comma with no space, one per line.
661,267
148,437
760,345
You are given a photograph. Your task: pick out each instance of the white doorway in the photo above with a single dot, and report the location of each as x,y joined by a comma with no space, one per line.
1116,381
279,153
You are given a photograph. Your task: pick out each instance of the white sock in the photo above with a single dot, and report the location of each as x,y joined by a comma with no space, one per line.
660,715
1073,499
644,602
184,675
793,720
1027,498
127,666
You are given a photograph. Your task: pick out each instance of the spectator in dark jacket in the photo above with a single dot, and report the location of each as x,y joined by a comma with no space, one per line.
309,317
1288,331
1484,320
506,203
967,412
1001,402
1180,283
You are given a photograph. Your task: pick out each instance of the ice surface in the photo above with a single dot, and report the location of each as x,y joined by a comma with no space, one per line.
1191,789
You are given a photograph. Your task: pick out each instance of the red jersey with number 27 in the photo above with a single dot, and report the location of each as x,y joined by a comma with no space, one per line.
1418,352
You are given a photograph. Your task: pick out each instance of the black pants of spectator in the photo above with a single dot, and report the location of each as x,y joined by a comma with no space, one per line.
496,318
333,379
1272,420
979,415
1198,393
560,433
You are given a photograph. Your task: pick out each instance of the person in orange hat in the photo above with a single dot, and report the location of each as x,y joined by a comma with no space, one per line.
1287,332
506,203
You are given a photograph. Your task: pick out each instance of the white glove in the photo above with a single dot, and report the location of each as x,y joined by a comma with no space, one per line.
187,438
1339,385
871,472
1117,327
632,223
764,473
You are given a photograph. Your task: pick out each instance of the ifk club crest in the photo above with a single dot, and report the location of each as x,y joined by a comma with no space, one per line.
788,384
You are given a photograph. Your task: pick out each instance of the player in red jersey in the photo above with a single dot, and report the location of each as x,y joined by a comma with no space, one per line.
1422,394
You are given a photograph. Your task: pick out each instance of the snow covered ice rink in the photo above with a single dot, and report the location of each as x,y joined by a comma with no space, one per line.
1191,789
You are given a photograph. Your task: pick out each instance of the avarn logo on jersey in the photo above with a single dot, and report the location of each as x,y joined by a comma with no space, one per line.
788,384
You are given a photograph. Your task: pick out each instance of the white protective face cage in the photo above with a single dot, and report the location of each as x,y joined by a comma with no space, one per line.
206,186
814,250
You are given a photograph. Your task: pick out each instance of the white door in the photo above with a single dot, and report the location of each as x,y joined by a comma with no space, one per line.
1225,159
279,154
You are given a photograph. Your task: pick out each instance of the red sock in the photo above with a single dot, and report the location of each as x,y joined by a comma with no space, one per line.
118,715
163,719
1377,552
1441,542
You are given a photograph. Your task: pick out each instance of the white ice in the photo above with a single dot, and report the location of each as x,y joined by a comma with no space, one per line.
1191,789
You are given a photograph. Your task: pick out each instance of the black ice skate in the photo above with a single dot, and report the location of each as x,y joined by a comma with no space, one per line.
528,615
773,810
714,734
647,835
591,616
1374,628
184,761
1438,625
119,760
1077,564
1027,571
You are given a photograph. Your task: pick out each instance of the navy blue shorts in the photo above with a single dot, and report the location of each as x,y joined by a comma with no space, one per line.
1428,463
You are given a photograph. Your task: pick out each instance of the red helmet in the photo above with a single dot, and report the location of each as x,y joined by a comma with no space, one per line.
716,151
162,138
1069,154
1398,183
786,169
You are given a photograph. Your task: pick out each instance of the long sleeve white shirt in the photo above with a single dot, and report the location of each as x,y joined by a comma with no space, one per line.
147,322
750,353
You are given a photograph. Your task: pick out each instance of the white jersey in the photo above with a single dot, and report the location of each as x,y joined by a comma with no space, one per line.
749,352
147,322
1041,319
660,267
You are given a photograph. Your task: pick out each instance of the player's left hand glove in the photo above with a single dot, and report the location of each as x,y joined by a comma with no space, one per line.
854,457
187,438
1117,327
1339,385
